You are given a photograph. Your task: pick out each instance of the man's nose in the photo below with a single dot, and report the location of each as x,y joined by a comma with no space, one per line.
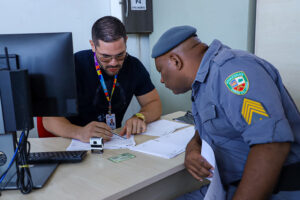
113,61
162,80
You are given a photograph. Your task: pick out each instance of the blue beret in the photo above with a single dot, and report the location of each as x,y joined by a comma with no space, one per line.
171,38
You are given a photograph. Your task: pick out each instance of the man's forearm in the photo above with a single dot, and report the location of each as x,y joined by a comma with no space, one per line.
152,111
60,126
262,170
195,143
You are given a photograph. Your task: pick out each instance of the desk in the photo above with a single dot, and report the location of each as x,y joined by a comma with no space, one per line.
144,177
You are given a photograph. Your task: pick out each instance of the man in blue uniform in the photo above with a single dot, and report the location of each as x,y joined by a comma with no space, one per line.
107,79
241,108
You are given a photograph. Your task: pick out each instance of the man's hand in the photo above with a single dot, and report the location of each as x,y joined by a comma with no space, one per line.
197,165
194,162
133,126
94,129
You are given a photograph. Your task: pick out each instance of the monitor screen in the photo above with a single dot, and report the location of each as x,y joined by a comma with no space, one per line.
48,57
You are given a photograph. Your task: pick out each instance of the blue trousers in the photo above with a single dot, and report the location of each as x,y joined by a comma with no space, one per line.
200,194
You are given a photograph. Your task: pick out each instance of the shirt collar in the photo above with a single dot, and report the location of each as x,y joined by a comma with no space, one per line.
204,65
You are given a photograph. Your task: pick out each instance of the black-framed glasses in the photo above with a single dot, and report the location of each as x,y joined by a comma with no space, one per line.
104,58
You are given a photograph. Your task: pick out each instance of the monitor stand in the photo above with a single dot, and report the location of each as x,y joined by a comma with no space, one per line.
40,173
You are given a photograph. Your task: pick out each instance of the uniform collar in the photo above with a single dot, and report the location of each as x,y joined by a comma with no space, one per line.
204,65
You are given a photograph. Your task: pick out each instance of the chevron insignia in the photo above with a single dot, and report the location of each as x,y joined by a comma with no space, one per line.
253,111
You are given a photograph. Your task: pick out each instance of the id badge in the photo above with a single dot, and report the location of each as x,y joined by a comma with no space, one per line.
111,120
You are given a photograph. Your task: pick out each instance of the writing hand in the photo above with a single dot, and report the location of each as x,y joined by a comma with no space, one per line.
95,129
133,126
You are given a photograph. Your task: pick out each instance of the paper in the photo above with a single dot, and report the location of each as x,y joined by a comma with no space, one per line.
163,127
115,143
167,146
215,189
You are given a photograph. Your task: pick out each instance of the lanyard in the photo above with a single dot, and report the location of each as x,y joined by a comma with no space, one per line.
101,78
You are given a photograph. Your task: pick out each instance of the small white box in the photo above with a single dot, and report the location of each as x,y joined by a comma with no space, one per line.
96,144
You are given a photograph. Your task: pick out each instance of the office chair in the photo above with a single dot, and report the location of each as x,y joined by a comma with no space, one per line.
42,132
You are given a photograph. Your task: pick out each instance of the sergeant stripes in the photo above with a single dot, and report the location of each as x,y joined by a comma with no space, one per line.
250,107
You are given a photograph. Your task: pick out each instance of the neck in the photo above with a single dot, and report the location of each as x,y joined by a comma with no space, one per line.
197,57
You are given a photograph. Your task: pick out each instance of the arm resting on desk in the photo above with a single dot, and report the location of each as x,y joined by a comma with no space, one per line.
60,126
150,107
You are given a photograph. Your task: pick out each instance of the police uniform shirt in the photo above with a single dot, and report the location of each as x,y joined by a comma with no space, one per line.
133,79
239,100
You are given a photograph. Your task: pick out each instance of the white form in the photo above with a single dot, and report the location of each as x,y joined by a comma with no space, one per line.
167,146
163,127
215,190
115,143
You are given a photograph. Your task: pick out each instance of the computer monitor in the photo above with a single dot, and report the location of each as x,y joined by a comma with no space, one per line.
37,78
48,57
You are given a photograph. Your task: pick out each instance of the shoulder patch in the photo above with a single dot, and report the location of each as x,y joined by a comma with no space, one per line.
253,111
237,83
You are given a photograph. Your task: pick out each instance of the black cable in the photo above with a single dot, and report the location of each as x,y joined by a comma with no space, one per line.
10,165
24,182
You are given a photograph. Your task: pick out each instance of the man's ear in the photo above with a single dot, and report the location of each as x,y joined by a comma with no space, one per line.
176,61
93,45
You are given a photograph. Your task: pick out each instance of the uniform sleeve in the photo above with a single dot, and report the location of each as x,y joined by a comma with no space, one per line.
143,81
252,102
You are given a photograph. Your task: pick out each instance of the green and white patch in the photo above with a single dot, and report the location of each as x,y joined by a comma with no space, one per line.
237,83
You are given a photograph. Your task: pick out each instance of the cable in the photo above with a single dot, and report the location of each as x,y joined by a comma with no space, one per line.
12,160
24,181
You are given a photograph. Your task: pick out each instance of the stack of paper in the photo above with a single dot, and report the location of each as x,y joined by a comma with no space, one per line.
215,189
167,146
115,143
163,127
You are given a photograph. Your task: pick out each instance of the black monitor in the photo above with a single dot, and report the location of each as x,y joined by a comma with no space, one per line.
48,57
37,78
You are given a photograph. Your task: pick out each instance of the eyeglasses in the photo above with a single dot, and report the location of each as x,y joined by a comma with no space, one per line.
104,58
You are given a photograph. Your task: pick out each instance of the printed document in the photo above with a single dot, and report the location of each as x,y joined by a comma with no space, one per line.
167,146
215,188
115,143
163,127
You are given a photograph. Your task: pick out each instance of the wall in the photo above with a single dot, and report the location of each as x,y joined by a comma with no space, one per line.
230,21
278,40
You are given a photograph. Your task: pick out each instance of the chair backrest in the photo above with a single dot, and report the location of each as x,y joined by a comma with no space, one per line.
42,132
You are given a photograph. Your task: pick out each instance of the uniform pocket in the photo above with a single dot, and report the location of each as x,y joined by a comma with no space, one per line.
207,115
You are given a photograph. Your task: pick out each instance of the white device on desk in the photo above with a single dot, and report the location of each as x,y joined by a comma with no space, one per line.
96,144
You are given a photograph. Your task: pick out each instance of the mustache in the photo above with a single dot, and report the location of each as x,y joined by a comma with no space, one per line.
111,66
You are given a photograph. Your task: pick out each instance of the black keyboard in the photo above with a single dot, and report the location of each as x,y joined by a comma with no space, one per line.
56,157
187,118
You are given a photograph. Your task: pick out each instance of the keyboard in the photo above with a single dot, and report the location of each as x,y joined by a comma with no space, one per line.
56,157
187,118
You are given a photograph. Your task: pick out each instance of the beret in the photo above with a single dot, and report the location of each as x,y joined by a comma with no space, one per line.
171,38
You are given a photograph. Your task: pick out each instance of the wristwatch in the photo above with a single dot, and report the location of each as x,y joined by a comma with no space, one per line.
140,116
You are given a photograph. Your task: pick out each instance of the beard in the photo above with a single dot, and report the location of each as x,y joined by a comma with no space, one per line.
107,68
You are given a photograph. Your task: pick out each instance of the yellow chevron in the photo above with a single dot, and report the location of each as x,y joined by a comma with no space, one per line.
250,107
249,102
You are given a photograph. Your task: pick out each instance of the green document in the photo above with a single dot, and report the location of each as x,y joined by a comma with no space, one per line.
121,157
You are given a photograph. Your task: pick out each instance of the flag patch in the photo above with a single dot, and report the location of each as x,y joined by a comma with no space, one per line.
253,111
237,83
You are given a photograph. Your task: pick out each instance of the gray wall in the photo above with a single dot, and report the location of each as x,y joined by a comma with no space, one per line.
278,40
230,21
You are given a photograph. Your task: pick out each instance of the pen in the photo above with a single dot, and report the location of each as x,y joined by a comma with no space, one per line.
123,137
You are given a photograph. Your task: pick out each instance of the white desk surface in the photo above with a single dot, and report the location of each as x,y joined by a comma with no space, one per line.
143,177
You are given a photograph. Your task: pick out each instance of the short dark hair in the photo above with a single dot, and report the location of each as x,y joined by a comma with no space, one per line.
108,29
